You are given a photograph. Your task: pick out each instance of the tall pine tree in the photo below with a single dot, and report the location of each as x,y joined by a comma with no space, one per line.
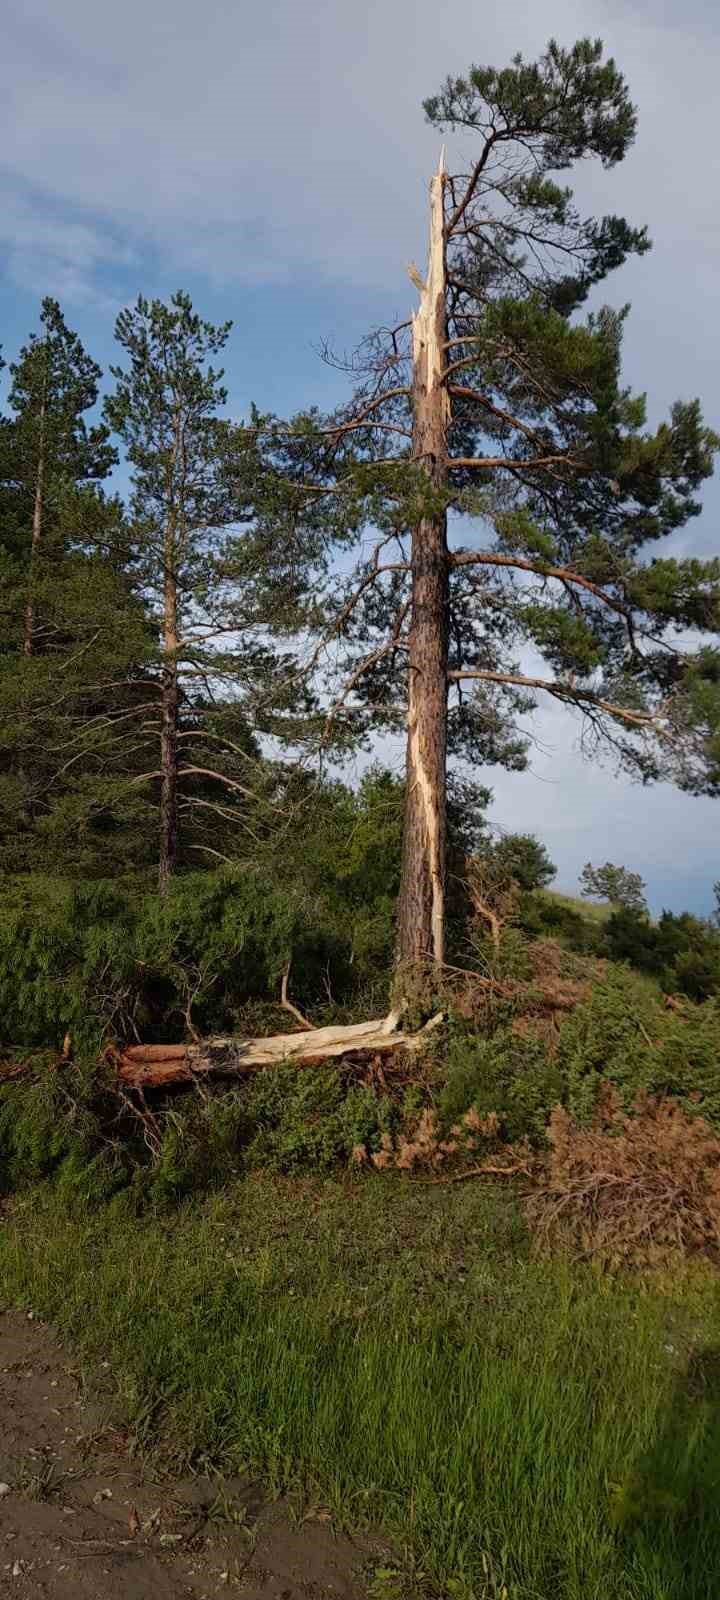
223,581
53,450
514,490
74,643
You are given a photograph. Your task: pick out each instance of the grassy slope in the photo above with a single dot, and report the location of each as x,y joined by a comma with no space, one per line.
511,1421
591,910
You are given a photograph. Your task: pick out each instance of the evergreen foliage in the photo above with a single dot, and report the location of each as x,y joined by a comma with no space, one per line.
76,645
570,491
681,951
617,884
112,960
223,596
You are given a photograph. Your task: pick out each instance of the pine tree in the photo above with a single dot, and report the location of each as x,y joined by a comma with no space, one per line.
52,448
74,643
223,580
617,884
498,413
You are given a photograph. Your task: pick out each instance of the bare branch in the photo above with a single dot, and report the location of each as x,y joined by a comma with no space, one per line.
474,179
287,1005
370,577
488,558
463,392
567,692
220,777
391,645
517,463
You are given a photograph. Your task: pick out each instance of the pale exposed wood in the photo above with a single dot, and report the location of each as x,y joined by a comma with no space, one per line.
36,533
154,1066
287,1004
421,912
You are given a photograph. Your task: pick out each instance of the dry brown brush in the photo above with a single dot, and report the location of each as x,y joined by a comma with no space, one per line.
633,1187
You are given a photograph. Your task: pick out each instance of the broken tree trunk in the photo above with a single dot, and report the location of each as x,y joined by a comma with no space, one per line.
147,1066
421,909
169,716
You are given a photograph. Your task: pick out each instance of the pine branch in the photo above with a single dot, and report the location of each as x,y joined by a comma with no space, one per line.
488,558
391,645
568,693
465,393
475,176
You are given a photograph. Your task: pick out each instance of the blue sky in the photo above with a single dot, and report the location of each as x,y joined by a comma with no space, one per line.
273,160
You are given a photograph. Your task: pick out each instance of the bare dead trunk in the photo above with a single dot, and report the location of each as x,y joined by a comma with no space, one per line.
28,641
492,919
421,911
155,1066
169,723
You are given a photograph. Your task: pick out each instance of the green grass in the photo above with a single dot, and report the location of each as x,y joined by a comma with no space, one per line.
509,1421
591,910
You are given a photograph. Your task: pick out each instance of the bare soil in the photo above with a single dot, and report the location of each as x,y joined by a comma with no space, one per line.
82,1519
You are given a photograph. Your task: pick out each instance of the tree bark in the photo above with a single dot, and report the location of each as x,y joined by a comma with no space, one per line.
421,911
169,721
28,641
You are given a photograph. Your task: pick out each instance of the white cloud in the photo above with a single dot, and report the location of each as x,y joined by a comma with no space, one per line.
237,137
49,252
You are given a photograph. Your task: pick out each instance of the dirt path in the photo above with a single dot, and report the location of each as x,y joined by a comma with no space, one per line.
80,1520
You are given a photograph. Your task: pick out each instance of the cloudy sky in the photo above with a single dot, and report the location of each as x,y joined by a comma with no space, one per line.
272,158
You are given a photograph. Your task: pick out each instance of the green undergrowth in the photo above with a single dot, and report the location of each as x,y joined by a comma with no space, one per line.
66,1121
591,911
621,1033
114,960
395,1345
67,1124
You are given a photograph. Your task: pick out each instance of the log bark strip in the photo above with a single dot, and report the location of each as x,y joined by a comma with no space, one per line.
155,1066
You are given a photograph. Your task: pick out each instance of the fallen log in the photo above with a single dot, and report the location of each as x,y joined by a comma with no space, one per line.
154,1066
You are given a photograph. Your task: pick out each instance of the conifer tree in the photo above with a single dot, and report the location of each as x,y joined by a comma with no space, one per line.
514,489
614,883
74,644
223,582
54,451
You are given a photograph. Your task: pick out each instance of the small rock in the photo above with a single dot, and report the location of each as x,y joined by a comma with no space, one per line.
18,1568
4,1489
102,1494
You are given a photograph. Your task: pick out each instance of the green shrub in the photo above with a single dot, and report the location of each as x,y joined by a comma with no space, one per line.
544,916
201,1145
55,1124
682,952
310,1120
104,960
621,1034
510,1074
624,1035
64,1124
